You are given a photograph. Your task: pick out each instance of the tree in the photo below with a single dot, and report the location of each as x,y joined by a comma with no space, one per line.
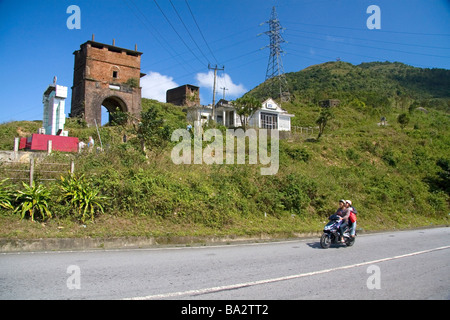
119,118
324,116
151,130
246,108
403,120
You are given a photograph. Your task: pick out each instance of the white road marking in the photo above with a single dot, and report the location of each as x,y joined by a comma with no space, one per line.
265,281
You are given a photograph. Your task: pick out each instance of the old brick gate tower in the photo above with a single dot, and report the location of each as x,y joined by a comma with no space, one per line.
105,75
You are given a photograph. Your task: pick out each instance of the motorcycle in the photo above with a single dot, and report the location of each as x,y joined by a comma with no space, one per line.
331,233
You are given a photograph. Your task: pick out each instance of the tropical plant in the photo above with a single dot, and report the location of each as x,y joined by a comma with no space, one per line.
82,196
324,116
6,195
33,199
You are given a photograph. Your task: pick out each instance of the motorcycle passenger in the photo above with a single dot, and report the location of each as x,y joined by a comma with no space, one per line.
352,224
343,212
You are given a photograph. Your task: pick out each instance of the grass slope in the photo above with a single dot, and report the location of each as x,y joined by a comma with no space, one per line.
396,177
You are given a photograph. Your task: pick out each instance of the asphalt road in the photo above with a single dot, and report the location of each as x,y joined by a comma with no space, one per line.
392,265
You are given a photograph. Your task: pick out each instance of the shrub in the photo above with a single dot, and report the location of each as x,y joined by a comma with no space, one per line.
352,154
389,158
32,200
297,192
444,175
6,195
298,153
83,197
403,120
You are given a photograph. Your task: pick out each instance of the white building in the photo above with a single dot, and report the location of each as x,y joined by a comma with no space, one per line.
199,113
54,106
270,116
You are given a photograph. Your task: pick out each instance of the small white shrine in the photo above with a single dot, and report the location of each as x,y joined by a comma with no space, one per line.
54,114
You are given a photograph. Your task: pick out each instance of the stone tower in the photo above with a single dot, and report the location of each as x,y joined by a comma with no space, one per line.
187,95
105,75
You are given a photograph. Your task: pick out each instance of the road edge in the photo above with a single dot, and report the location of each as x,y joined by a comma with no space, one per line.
80,244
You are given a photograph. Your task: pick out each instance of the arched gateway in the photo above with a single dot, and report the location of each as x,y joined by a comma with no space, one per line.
105,75
112,104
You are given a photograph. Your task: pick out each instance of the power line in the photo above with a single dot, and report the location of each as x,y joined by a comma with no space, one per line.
201,33
382,31
158,37
372,40
173,28
185,27
178,56
380,48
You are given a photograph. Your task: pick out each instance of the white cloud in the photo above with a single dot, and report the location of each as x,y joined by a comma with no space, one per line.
154,86
206,80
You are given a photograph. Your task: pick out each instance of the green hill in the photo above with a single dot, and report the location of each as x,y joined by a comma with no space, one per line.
380,85
397,176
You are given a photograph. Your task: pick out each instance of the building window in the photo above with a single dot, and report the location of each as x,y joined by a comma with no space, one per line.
115,74
269,121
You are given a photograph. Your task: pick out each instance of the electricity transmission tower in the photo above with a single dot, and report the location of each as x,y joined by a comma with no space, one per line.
275,66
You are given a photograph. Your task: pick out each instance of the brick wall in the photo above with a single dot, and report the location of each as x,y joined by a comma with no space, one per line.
101,72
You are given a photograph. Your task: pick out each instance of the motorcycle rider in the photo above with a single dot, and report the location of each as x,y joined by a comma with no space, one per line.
352,224
343,212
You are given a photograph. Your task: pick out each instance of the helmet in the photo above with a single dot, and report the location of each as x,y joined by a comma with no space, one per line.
342,200
349,202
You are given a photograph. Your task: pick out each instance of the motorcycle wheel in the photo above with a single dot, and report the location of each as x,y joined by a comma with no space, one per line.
325,241
349,242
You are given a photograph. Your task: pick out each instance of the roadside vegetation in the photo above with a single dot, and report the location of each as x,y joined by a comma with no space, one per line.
397,174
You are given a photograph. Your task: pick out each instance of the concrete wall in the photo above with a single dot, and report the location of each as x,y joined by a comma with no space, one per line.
20,156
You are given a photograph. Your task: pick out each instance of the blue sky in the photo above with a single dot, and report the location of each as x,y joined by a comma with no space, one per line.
36,43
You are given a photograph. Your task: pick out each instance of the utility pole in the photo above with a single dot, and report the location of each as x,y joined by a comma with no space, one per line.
214,87
224,92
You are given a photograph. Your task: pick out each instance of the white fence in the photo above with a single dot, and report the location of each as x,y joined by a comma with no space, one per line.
305,131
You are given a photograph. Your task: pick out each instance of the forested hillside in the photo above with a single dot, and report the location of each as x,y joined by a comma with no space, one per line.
378,85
